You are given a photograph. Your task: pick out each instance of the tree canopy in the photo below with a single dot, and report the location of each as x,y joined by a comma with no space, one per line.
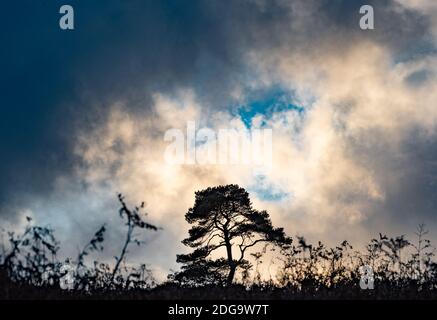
223,217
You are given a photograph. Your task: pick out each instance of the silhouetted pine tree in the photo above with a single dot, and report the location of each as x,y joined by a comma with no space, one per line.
223,217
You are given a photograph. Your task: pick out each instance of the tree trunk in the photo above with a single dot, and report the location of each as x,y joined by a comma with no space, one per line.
231,262
231,274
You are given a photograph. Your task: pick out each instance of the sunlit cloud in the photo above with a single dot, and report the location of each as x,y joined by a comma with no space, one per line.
353,122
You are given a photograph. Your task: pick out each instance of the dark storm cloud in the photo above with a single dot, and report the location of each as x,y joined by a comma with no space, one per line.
52,79
54,82
411,193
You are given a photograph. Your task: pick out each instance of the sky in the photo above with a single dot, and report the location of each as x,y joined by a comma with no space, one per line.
352,111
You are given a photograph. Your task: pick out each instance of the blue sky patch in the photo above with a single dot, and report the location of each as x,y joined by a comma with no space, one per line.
267,191
266,104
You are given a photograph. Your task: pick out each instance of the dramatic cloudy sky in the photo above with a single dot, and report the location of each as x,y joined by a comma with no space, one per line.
353,113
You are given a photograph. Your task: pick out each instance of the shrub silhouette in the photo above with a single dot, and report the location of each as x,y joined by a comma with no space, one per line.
133,220
32,253
32,259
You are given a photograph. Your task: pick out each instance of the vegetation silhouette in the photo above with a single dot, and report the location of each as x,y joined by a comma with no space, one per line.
230,240
32,259
223,217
